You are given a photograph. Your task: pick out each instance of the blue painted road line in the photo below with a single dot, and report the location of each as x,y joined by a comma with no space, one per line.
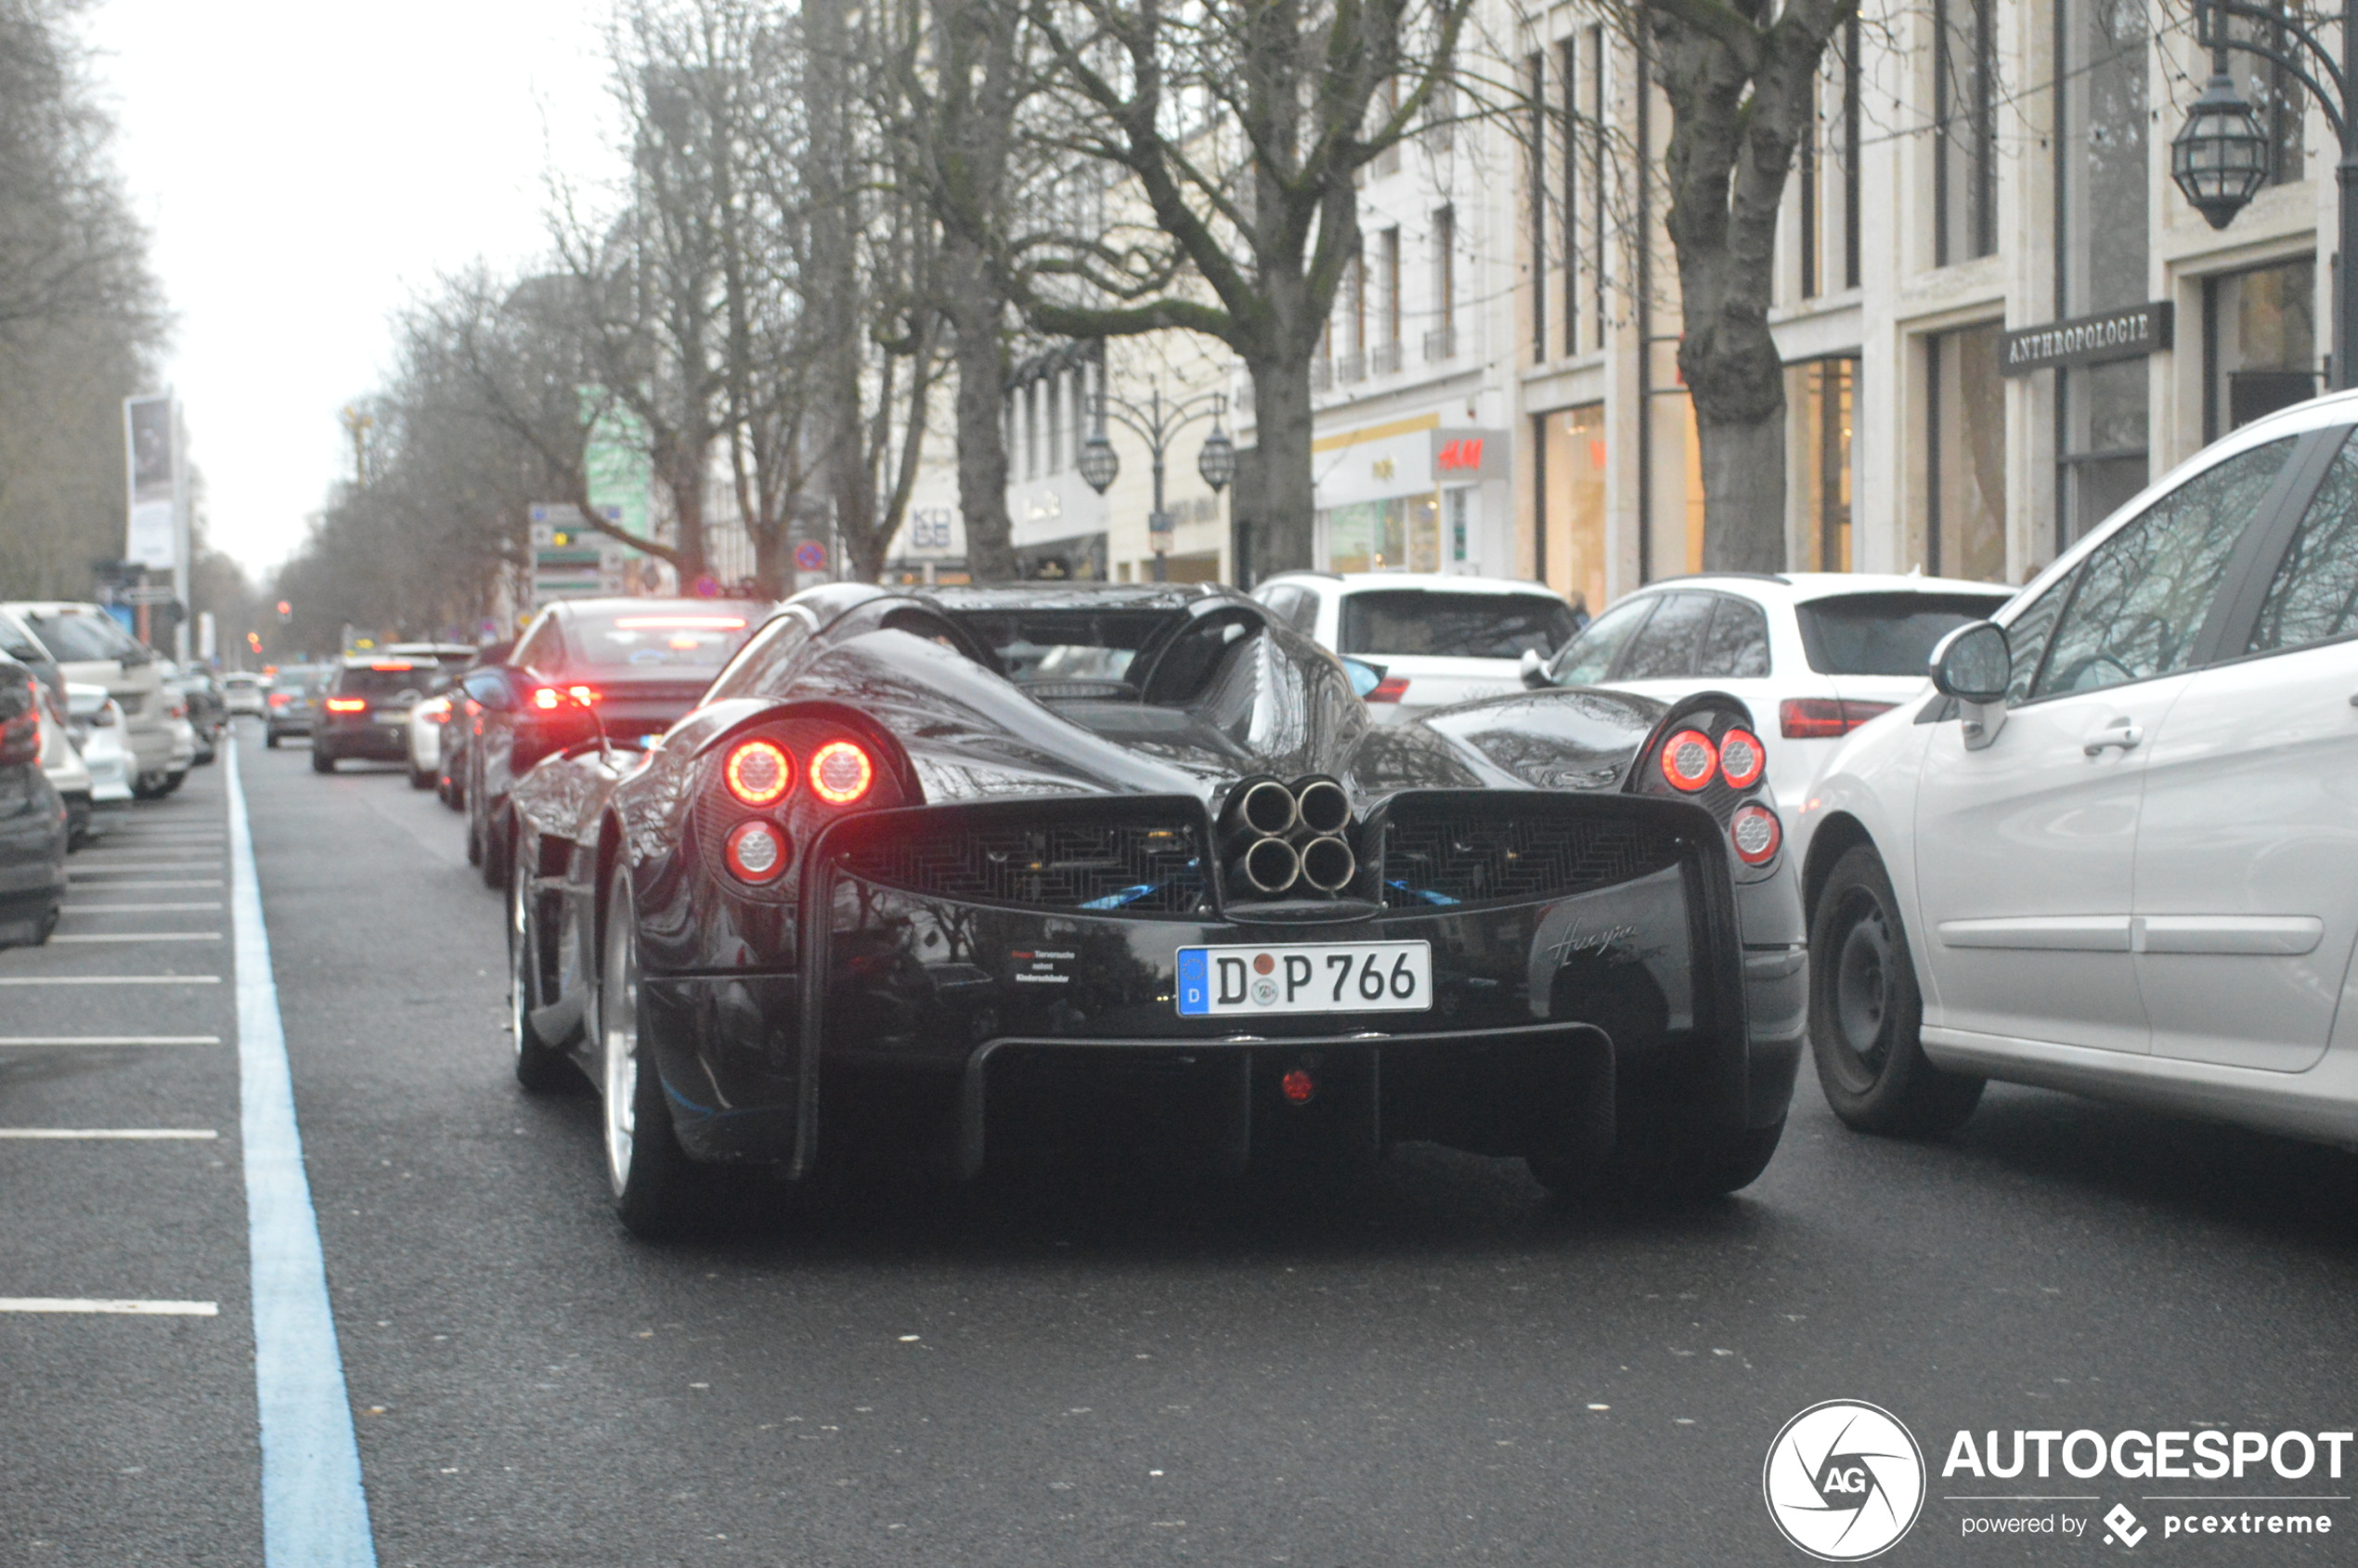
314,1513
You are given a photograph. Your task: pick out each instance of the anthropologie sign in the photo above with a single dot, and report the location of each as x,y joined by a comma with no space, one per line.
2128,333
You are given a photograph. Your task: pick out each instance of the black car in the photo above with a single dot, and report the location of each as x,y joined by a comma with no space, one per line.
620,668
364,712
291,705
954,871
450,780
32,818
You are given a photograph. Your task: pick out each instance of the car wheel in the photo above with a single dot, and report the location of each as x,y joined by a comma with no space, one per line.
270,740
1656,1159
420,778
1866,1014
652,1181
540,1066
322,759
474,837
149,786
498,843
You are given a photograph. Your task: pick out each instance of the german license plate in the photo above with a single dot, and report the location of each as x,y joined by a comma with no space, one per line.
1305,978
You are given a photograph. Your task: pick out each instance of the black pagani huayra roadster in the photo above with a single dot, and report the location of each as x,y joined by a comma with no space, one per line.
966,875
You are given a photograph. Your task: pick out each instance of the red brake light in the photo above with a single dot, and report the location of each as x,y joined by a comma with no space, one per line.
756,851
758,772
1757,834
278,699
1823,718
1741,759
1391,689
347,704
585,696
840,773
547,698
1689,760
393,666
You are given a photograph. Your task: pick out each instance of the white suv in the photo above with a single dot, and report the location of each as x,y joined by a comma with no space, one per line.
90,646
1437,640
2117,851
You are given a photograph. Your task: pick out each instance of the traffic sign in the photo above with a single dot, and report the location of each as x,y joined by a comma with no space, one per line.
811,556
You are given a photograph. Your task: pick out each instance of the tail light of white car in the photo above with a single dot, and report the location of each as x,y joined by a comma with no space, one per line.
1391,689
1824,719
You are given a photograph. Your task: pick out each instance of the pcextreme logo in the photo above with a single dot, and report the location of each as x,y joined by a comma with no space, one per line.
1844,1481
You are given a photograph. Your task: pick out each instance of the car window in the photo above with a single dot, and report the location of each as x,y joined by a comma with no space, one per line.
1886,633
388,679
1670,647
1041,646
1590,657
653,640
2313,597
17,643
1436,622
540,647
74,636
1737,645
2141,595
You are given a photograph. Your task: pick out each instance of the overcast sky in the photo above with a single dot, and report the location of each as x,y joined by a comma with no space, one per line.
304,169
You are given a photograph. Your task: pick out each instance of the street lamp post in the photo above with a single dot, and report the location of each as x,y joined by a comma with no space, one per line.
1156,424
2221,157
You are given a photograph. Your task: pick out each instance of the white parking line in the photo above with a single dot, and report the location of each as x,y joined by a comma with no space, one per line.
146,886
79,869
109,979
133,1308
140,936
133,909
45,1041
135,1133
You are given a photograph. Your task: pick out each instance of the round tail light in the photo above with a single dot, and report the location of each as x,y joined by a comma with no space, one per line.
1688,760
1299,1087
840,773
758,772
757,851
1741,759
1757,834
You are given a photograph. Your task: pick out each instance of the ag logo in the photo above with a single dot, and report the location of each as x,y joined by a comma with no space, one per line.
1844,1481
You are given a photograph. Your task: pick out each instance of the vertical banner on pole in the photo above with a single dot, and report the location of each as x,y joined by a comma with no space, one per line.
151,466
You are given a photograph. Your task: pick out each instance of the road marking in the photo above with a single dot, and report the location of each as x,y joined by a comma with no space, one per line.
140,936
314,1513
131,1308
147,886
46,1041
109,979
133,909
38,1132
80,871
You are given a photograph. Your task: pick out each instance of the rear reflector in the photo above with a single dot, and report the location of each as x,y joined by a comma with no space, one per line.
347,704
1391,689
840,773
1299,1087
1688,760
757,851
1823,718
1740,758
1757,834
758,772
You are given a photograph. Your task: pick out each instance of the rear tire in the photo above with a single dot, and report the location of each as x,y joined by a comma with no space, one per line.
540,1068
656,1188
322,759
1866,1014
499,845
420,778
1651,1162
270,740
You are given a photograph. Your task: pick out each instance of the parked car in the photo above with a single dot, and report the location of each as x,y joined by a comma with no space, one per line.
449,655
190,697
365,710
18,642
243,693
1431,640
584,668
428,718
904,848
89,645
62,765
450,781
2115,851
33,832
95,724
293,701
1815,654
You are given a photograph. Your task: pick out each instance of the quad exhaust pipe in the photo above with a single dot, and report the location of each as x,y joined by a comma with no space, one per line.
1282,837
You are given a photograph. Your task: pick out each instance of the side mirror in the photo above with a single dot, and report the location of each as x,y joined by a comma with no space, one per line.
1535,670
489,688
1973,664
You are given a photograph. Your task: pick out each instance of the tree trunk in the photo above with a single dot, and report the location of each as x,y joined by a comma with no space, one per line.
976,313
685,481
1284,492
1743,487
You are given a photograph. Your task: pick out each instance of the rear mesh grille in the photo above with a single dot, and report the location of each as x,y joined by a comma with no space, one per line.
1116,868
1460,858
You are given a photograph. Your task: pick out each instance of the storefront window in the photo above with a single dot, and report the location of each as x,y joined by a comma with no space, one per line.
2101,224
1965,457
1819,395
1399,534
1571,554
2258,344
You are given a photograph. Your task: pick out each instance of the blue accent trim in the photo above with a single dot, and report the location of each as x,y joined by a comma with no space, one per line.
1425,893
315,1512
1127,896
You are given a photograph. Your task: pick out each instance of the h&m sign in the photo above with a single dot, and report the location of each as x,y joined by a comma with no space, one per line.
1461,456
2129,333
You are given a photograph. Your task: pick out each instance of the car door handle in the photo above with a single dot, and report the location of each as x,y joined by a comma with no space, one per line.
2127,738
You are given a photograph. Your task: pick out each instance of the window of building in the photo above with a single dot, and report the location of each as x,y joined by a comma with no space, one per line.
1964,97
1596,117
1965,455
1821,394
1570,53
1055,443
1387,254
1535,168
1031,430
1827,176
1441,343
1401,533
1569,553
2101,217
2273,91
2258,344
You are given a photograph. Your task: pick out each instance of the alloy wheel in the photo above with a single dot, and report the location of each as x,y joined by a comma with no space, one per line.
619,1041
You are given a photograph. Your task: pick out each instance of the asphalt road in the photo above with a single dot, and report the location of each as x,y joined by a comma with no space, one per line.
1431,1365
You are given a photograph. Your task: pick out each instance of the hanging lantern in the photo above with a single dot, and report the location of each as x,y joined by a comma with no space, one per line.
1217,461
2221,158
1099,462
